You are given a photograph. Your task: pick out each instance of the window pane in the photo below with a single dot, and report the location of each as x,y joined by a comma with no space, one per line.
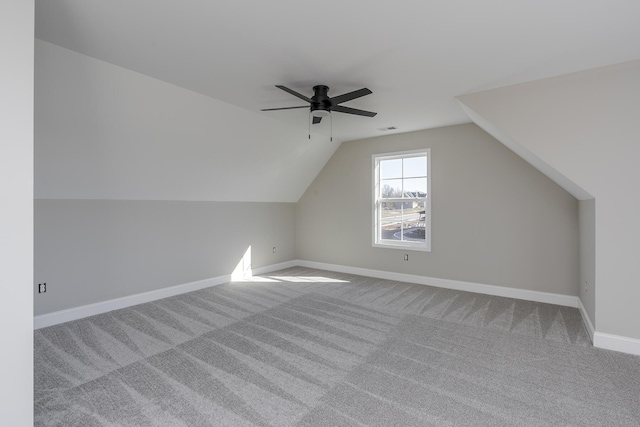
415,187
390,220
391,169
391,188
403,221
415,166
414,222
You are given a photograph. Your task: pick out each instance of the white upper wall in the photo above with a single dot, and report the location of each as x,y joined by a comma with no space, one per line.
104,132
16,211
586,126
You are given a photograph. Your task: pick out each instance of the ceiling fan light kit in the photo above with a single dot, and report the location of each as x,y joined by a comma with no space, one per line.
321,105
320,113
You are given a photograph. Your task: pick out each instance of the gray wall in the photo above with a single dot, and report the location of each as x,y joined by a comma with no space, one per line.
141,185
587,224
496,220
95,250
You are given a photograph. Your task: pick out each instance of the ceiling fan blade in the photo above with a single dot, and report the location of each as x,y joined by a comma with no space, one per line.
294,93
341,109
284,108
349,96
316,120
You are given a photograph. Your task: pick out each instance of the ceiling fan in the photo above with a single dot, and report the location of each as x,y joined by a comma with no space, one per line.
321,105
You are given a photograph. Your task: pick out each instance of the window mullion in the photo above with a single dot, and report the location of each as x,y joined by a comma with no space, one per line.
401,221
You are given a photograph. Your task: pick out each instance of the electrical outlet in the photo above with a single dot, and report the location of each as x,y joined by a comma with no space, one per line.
406,257
274,249
42,288
586,287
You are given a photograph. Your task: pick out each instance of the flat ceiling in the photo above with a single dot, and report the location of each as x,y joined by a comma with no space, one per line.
415,56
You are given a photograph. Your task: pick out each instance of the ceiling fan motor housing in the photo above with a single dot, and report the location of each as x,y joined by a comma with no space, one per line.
321,103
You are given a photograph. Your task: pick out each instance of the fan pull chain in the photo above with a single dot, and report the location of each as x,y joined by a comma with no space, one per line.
309,123
331,120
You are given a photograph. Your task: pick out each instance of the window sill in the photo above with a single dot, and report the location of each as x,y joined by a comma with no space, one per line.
404,246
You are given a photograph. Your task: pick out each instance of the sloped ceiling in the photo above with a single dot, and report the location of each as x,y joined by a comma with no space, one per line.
415,56
105,132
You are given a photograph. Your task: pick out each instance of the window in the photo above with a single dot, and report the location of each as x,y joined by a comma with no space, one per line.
402,200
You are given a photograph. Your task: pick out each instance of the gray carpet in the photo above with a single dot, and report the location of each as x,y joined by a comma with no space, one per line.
315,348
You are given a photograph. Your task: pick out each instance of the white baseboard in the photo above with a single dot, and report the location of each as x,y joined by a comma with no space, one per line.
76,313
616,343
600,339
586,320
50,319
274,267
546,297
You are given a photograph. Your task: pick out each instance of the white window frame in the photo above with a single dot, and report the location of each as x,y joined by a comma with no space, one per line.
400,244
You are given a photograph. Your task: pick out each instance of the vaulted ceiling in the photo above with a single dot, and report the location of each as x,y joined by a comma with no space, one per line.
415,55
